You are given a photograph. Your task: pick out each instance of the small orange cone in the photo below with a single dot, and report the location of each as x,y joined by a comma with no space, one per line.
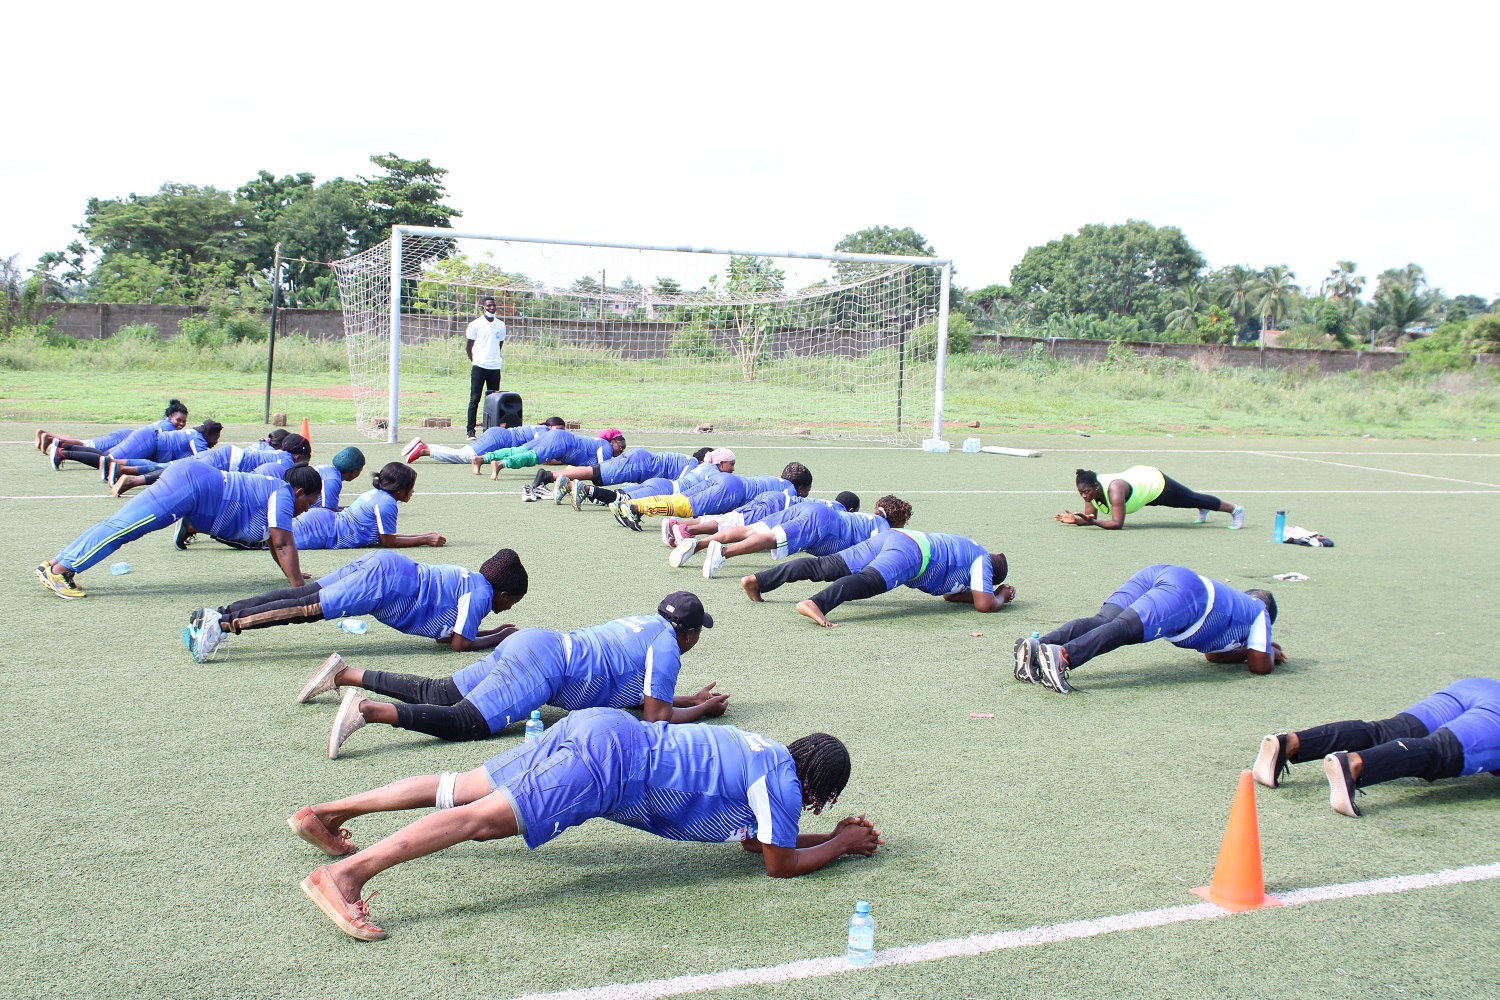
1239,883
306,430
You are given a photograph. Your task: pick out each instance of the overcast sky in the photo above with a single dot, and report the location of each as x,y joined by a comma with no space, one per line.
1296,133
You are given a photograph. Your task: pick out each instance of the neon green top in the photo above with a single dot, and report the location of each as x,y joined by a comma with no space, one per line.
1145,485
923,544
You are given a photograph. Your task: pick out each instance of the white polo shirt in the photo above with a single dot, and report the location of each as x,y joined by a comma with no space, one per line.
487,336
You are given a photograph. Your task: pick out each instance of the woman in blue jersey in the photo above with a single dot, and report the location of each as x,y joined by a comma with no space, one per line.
1451,734
698,782
952,567
173,419
235,505
369,521
148,448
347,466
1159,602
441,602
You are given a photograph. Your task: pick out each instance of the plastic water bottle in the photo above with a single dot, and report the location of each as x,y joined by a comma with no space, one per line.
861,935
354,626
934,444
1278,533
119,569
534,727
1037,636
971,446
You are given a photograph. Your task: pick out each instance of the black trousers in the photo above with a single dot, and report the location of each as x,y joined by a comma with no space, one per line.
1174,494
1086,638
1398,747
481,381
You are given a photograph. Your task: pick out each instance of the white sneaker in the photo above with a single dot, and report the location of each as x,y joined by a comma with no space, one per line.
322,679
713,559
209,636
412,446
543,493
667,524
528,494
1202,517
346,722
682,553
1237,518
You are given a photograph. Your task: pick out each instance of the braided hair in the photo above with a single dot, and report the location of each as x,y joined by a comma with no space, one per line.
823,768
174,406
897,512
797,474
506,574
394,477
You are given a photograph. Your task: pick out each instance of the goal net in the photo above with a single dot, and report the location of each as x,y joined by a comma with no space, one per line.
650,338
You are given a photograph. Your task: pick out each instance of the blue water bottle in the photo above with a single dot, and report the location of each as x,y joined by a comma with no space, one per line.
1278,533
354,626
861,935
534,727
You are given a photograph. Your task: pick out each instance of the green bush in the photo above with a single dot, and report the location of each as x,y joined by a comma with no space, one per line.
695,341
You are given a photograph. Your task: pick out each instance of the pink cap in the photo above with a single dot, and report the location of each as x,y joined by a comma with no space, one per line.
610,435
720,455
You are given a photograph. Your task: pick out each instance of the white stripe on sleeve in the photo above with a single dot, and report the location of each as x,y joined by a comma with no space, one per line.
1260,633
760,804
650,668
463,613
271,510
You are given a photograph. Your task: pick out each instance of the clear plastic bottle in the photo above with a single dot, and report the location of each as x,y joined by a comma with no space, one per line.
534,727
1278,533
861,935
354,626
119,569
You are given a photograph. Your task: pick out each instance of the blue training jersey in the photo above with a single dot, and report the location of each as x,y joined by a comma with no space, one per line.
362,523
247,509
620,662
172,445
841,529
694,475
426,599
715,784
956,564
495,438
333,487
756,485
275,464
638,465
233,458
1233,620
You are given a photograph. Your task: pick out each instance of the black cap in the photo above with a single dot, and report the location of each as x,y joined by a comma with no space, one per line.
685,611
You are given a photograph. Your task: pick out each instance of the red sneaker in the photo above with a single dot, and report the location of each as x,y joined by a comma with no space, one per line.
351,918
334,843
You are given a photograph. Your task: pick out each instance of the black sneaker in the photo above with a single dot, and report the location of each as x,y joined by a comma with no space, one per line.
1341,787
1270,763
1028,660
183,536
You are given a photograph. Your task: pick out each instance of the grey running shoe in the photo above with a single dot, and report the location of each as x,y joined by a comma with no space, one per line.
1341,788
1028,660
563,482
1237,517
1270,763
346,722
1054,668
322,679
208,637
580,493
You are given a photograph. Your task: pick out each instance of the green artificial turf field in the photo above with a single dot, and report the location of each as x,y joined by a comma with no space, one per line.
145,852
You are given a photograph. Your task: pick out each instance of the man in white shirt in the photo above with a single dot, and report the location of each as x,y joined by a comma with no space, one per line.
486,337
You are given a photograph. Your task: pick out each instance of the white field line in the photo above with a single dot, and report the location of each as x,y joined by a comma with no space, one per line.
980,944
516,493
1371,468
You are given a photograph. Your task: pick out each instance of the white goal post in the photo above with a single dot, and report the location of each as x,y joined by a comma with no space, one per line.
833,345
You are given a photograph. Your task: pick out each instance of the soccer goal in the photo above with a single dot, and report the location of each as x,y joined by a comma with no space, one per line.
836,346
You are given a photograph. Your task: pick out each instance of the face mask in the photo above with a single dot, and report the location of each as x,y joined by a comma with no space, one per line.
489,316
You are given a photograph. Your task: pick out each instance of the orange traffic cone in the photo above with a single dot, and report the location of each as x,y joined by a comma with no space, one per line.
306,430
1239,883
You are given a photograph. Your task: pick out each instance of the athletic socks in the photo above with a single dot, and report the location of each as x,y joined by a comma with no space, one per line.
602,495
456,723
412,688
543,478
1355,735
1429,757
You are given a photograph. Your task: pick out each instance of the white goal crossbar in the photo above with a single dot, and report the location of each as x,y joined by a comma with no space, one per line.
401,234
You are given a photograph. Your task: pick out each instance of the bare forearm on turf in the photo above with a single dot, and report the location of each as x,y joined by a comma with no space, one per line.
284,550
412,541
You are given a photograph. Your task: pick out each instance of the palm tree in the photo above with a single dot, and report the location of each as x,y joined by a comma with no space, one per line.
1398,308
1237,291
1272,290
1190,302
1342,283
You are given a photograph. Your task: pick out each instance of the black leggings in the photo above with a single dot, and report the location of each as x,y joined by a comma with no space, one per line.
1398,747
1085,638
844,586
91,457
1174,494
433,705
288,606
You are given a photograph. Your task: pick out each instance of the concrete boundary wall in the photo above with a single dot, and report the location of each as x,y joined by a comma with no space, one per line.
95,321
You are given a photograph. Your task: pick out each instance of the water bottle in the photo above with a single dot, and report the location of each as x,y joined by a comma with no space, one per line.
861,935
354,626
1278,533
971,446
1037,636
119,569
534,727
934,444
